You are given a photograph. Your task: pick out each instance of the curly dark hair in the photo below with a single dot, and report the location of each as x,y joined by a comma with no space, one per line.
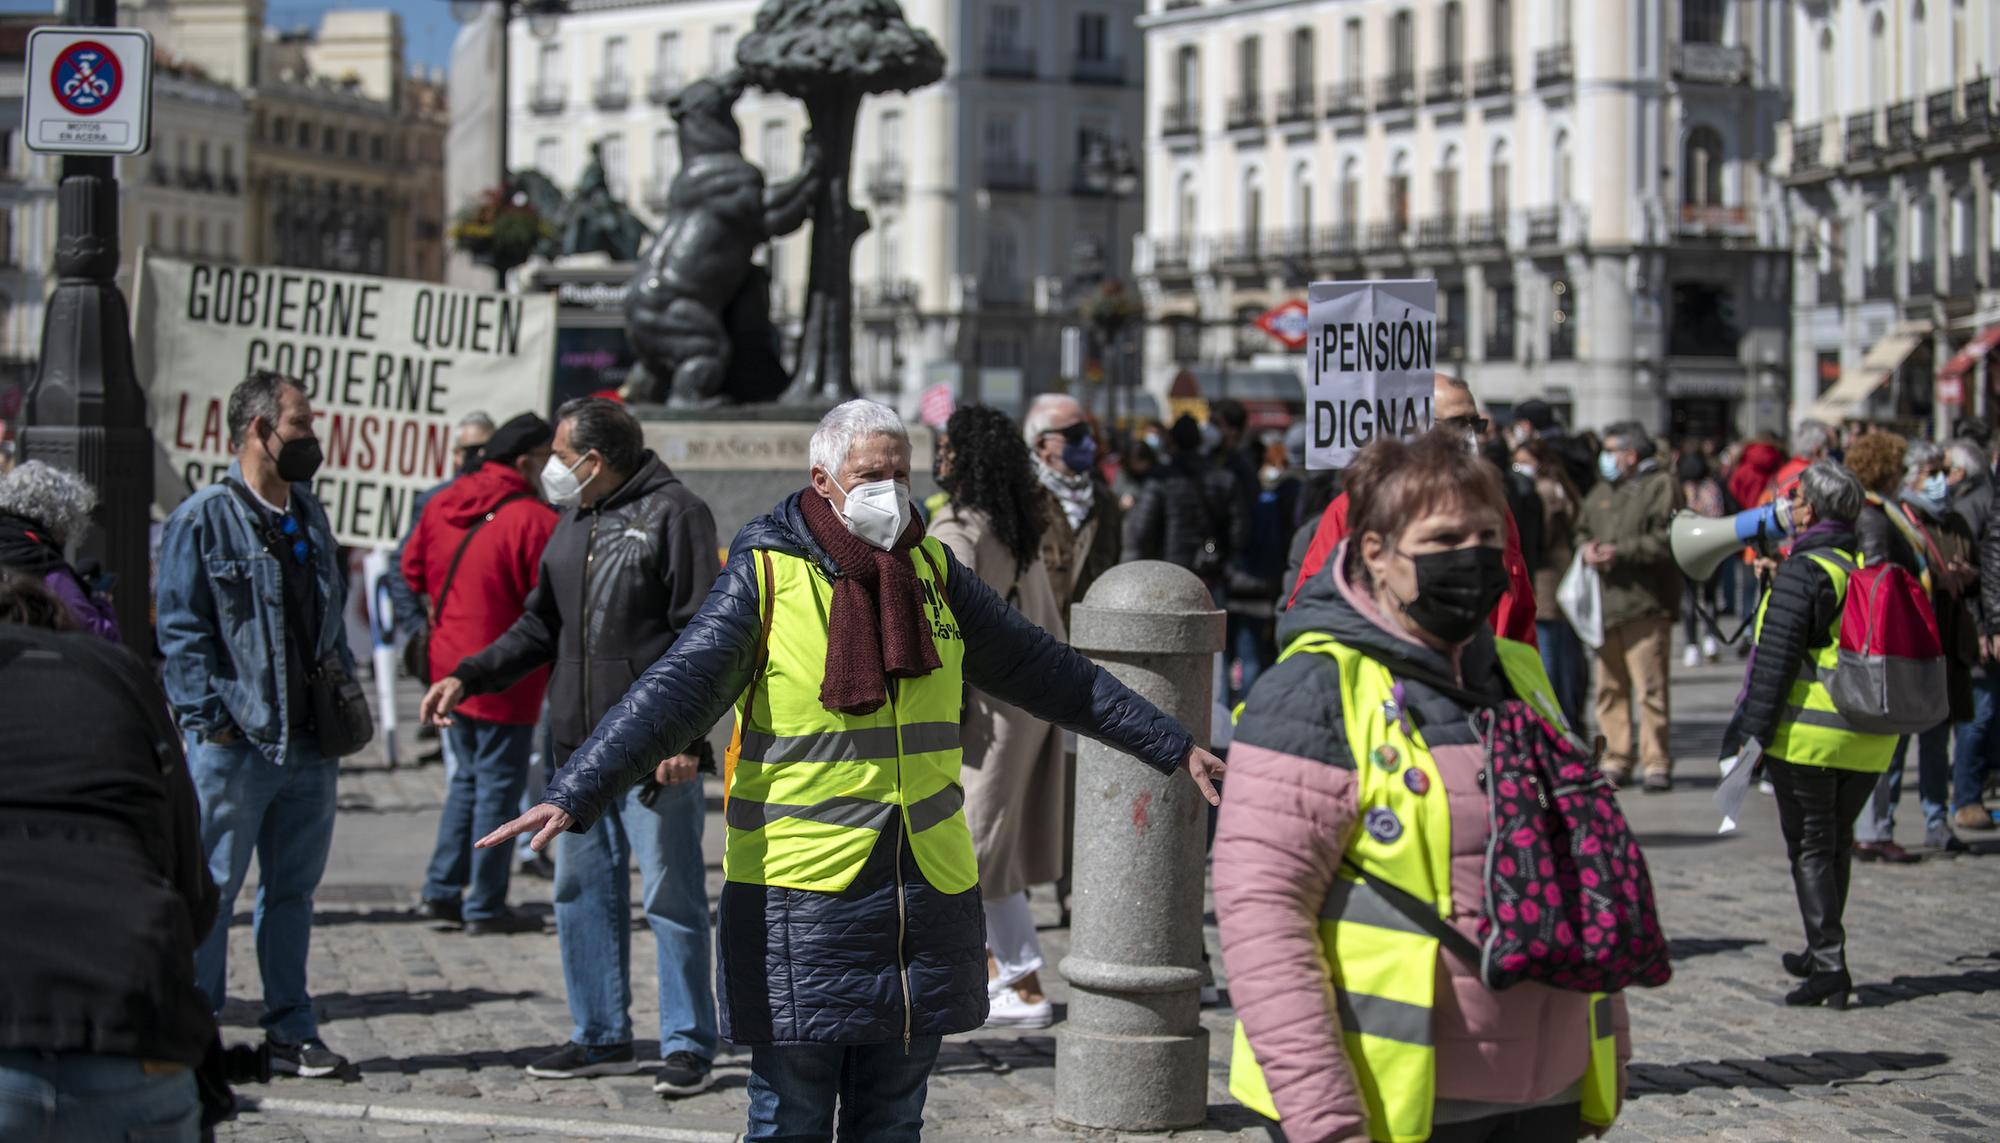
991,471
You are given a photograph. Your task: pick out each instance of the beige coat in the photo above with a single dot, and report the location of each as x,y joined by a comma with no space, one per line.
1016,775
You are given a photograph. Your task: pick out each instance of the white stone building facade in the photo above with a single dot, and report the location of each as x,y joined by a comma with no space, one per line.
981,223
1587,182
1892,159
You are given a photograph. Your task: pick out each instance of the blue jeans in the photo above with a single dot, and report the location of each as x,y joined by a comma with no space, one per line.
1978,740
76,1098
1934,776
880,1090
1562,658
483,795
284,816
594,899
1249,646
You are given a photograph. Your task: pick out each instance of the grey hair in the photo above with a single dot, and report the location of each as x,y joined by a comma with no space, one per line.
476,420
256,396
1919,456
1811,436
57,499
1041,411
1833,491
840,429
1632,435
1966,455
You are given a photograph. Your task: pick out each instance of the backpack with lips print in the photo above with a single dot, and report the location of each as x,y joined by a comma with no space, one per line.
1569,903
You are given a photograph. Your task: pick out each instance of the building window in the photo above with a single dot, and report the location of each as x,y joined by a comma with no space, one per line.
1187,76
1880,249
354,144
1399,191
1403,43
1701,168
548,64
1498,175
548,156
228,161
1185,334
1249,78
1302,62
772,152
378,148
201,160
1703,21
614,61
999,136
153,231
889,136
667,62
1093,36
1350,53
1562,321
1503,29
1453,46
613,153
281,130
1703,323
1003,29
1447,185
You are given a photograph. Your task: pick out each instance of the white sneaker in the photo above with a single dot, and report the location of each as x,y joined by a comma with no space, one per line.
1692,657
1711,649
1764,786
1006,1009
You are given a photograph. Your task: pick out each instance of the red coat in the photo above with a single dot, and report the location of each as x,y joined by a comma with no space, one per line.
1513,617
491,588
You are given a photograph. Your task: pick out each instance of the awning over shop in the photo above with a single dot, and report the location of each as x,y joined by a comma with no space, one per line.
1974,352
1857,385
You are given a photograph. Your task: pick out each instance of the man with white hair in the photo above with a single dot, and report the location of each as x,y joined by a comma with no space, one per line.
851,939
1081,541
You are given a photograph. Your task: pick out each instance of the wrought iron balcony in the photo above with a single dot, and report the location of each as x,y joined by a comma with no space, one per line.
661,89
1294,106
1903,125
1335,242
1244,111
1977,118
1445,83
1923,277
1386,235
1242,250
1712,63
1555,65
1180,119
1008,174
885,180
1171,254
1562,338
1861,139
1491,77
1485,230
1939,114
1344,98
1708,218
1964,275
1806,149
547,97
1107,71
1010,61
888,294
1545,226
1831,289
611,92
1396,90
1500,340
1878,281
1437,232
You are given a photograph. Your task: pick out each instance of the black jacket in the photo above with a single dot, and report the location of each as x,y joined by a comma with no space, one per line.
1187,508
800,966
1882,542
1798,620
101,863
618,583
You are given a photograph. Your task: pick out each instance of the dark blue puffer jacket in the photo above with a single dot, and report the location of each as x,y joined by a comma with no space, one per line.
800,966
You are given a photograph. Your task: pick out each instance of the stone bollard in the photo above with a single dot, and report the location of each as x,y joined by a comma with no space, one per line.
1133,1055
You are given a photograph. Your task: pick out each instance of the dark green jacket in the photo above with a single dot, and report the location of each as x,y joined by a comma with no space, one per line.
1634,514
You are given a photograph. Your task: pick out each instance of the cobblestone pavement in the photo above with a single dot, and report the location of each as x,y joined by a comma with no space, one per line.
440,1025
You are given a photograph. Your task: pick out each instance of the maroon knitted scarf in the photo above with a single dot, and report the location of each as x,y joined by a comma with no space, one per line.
877,630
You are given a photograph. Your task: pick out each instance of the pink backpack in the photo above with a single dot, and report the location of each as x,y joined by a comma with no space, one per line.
1891,673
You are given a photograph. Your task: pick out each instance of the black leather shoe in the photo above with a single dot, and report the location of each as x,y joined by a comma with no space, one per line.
1828,988
507,924
1799,964
443,914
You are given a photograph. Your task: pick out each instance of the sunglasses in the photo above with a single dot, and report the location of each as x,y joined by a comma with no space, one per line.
1074,434
1469,423
288,524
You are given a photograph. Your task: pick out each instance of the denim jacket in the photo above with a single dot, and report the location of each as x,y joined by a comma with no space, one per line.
221,601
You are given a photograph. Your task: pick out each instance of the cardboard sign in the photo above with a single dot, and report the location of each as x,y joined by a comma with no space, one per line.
390,366
1372,348
89,91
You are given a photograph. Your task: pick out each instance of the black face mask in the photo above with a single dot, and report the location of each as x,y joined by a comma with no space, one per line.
1456,590
945,480
298,460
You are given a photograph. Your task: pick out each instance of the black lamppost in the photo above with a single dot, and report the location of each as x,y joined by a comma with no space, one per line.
1111,170
543,19
85,411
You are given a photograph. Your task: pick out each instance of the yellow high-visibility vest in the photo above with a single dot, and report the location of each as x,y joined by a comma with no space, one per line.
1811,730
1382,966
808,790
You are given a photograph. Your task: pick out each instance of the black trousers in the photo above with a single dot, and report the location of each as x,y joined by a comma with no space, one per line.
1562,1123
1816,809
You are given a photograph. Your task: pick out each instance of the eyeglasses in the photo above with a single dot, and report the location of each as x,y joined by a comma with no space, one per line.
1470,422
1074,434
288,524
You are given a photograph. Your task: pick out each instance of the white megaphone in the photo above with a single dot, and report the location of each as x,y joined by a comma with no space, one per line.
1701,544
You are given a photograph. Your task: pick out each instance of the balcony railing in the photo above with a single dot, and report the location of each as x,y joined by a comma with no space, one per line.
1445,83
1490,77
230,185
662,88
1171,253
1108,71
1395,90
1554,65
1708,218
1939,116
1861,140
1500,341
1437,232
1242,250
1180,119
1806,149
1386,235
1903,125
1878,281
1712,63
888,294
1923,277
1010,61
1344,98
1964,275
1244,111
1002,289
885,180
1978,116
546,97
1544,226
1006,174
1485,230
1335,242
1830,286
611,92
1294,106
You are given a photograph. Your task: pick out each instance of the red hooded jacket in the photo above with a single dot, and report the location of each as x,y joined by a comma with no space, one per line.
1756,474
1513,617
491,588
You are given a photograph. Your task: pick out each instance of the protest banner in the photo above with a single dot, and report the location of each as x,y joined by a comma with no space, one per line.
1372,347
390,366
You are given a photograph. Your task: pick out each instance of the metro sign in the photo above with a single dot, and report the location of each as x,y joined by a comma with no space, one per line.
1286,324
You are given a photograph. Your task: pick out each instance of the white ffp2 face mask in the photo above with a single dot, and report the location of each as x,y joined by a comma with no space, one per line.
877,512
559,482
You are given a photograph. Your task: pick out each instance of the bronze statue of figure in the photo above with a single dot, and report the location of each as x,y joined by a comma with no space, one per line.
698,310
594,221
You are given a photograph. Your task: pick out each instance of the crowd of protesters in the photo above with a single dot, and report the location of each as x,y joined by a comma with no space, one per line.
568,603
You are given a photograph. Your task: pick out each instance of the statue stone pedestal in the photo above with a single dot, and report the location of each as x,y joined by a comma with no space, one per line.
744,460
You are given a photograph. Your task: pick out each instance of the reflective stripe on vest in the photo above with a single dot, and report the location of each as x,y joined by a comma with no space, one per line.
1810,729
1381,964
810,790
